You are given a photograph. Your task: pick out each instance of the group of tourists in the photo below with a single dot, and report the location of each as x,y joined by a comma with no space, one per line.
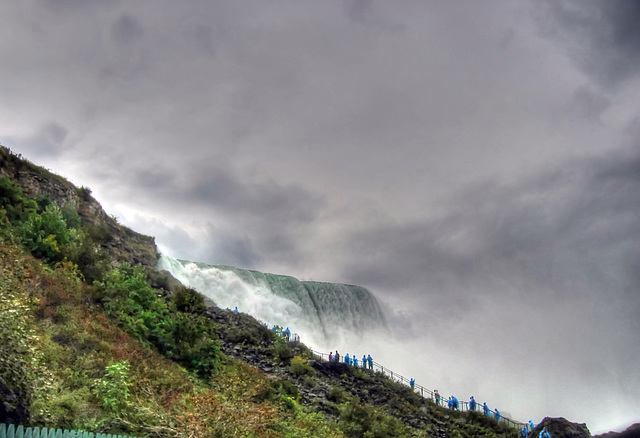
544,433
285,333
366,362
452,403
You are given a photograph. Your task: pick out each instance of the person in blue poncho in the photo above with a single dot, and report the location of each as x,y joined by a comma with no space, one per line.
346,358
370,360
412,383
544,433
531,426
455,402
525,431
496,415
364,361
485,409
472,404
287,333
355,361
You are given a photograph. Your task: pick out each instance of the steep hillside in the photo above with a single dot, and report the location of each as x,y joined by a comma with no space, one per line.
38,183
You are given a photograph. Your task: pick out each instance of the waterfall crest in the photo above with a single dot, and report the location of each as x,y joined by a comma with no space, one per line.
323,314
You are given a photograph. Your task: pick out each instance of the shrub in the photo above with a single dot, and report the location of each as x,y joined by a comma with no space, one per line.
277,389
188,301
17,208
113,389
300,367
337,394
16,355
187,338
84,193
361,420
46,234
281,352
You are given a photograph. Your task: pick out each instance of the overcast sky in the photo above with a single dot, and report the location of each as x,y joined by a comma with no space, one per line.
476,165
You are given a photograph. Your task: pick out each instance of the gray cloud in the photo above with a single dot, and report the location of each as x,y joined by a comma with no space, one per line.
465,162
601,37
49,140
126,30
575,223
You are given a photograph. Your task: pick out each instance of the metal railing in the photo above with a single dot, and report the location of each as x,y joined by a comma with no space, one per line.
13,431
425,393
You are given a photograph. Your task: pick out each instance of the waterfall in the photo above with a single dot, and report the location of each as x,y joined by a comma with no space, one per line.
323,314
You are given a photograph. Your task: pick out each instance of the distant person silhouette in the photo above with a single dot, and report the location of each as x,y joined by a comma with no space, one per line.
370,360
236,309
337,356
525,431
436,396
346,358
412,383
364,361
544,433
355,361
531,426
496,415
485,408
330,356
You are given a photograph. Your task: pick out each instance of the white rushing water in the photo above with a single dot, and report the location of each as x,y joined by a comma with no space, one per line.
323,314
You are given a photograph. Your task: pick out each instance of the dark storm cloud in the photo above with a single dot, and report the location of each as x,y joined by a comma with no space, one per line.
572,230
603,37
48,141
263,217
267,200
126,30
358,10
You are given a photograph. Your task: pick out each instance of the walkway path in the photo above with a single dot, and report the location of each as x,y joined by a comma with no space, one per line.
427,393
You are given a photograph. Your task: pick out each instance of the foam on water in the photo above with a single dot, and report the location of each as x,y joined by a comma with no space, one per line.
323,314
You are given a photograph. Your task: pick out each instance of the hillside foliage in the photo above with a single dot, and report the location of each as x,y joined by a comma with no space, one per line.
88,343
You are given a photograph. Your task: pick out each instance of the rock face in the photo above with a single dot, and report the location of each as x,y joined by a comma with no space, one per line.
14,408
632,431
562,428
122,243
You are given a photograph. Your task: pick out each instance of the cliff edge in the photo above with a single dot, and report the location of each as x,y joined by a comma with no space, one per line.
122,243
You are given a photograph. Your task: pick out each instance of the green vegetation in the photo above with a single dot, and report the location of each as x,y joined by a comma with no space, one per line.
52,233
187,337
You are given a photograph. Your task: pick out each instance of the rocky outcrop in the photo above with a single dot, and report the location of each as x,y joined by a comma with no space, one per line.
120,242
561,428
13,406
632,431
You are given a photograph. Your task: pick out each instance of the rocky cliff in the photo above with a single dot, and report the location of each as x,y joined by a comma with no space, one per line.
122,243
